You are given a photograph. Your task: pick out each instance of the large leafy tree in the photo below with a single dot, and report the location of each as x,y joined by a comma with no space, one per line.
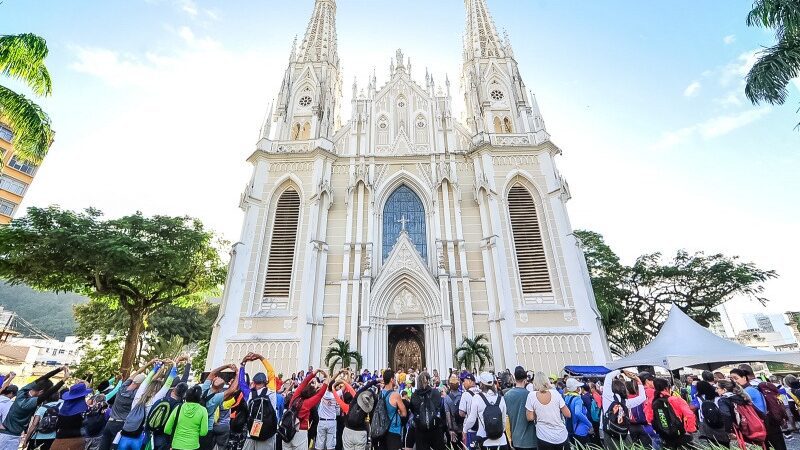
340,353
634,301
135,264
22,58
473,353
777,65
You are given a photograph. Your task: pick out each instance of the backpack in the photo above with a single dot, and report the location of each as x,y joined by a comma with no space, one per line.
711,415
665,422
157,418
569,423
428,417
616,418
356,417
748,424
775,409
239,414
94,420
208,395
455,398
379,423
49,421
493,418
289,424
135,421
595,412
262,421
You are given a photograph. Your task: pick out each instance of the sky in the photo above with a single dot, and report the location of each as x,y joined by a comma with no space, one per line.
157,104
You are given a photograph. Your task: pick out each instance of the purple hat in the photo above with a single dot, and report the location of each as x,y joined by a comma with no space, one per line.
466,375
76,391
74,400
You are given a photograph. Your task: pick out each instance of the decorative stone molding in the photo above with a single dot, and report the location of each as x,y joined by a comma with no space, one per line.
291,147
510,140
406,302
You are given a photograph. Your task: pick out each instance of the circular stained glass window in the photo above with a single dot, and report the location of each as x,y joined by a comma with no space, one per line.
305,101
421,124
497,94
383,125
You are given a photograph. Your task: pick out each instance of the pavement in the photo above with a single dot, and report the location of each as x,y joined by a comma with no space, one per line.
793,444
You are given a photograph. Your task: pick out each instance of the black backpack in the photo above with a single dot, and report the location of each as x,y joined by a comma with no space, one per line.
158,416
290,422
357,417
261,409
665,422
493,418
711,415
617,419
206,397
49,421
379,422
94,420
428,416
240,415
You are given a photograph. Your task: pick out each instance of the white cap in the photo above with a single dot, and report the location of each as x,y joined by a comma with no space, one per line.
573,385
486,378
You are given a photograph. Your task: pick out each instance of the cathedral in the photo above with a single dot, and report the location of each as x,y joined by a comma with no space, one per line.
405,229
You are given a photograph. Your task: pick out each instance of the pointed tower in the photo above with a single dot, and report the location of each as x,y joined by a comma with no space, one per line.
496,99
308,104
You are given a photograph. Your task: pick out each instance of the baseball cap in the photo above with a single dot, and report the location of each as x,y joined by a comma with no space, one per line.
520,373
260,378
486,378
573,385
645,375
466,376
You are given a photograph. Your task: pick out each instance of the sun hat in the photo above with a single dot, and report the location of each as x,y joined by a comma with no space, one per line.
76,391
366,401
573,385
486,378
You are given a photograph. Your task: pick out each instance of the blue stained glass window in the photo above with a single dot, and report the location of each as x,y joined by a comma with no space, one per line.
404,205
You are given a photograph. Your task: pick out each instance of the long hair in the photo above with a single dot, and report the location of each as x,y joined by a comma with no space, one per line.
734,388
156,383
541,383
423,380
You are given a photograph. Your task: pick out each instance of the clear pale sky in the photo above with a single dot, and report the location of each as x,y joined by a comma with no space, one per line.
157,103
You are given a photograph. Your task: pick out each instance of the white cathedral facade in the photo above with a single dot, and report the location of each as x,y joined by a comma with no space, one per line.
404,229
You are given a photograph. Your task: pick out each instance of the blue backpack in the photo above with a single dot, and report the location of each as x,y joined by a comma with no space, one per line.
595,413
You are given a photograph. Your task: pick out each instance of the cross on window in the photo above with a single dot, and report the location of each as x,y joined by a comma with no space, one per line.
403,221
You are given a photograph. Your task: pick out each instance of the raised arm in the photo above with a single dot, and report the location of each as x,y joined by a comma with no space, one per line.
141,369
114,391
233,386
243,387
173,373
8,380
608,393
271,383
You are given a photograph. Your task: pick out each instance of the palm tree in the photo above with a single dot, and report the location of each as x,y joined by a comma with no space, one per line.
340,353
779,64
473,353
22,58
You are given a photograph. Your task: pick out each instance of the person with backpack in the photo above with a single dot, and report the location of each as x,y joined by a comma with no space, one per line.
188,422
41,431
294,425
578,425
258,407
789,425
673,418
94,419
469,391
489,411
25,405
740,417
711,427
159,414
70,418
765,401
386,422
361,405
595,411
426,406
214,393
453,420
792,386
616,408
122,404
547,408
153,388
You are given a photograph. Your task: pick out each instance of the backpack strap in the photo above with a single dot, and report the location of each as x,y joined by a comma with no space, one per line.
483,397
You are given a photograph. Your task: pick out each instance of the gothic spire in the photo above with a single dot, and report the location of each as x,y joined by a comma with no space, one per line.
481,39
319,43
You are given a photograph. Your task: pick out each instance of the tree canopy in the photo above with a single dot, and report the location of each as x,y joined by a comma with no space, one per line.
634,301
135,263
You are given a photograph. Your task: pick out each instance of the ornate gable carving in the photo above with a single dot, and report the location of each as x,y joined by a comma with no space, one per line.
404,257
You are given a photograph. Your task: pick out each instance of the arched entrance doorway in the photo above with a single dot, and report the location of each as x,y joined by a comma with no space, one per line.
406,347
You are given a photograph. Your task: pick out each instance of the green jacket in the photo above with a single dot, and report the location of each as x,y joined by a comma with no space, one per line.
187,429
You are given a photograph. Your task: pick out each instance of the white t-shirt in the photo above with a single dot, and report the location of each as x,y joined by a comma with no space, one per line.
328,408
475,414
466,400
549,423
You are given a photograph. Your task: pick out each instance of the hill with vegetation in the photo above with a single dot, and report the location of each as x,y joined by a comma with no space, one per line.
49,312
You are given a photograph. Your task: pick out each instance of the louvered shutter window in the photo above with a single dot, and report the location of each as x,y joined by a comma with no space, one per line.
282,245
531,259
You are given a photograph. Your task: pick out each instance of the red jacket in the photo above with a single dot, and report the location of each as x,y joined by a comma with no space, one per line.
305,409
679,405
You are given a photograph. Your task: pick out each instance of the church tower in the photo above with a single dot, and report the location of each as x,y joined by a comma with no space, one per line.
405,231
310,95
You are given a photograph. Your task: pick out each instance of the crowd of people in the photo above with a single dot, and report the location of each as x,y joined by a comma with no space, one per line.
156,408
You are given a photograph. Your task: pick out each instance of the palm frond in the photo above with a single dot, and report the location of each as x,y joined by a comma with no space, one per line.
777,14
22,57
771,74
31,125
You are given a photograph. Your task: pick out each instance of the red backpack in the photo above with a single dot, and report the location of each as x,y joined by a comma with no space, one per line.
775,410
748,425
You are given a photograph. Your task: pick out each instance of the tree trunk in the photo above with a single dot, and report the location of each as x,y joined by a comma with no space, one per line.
135,328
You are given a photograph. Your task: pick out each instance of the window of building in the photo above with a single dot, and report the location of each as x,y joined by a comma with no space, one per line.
282,246
531,260
305,101
24,167
404,210
497,94
6,134
7,208
11,185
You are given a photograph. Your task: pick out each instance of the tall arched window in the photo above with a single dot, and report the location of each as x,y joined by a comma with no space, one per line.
404,209
282,246
507,128
531,259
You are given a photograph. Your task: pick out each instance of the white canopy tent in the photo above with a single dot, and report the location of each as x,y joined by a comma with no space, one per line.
682,342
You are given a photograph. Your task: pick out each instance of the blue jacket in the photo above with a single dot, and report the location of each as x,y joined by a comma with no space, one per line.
580,422
757,397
